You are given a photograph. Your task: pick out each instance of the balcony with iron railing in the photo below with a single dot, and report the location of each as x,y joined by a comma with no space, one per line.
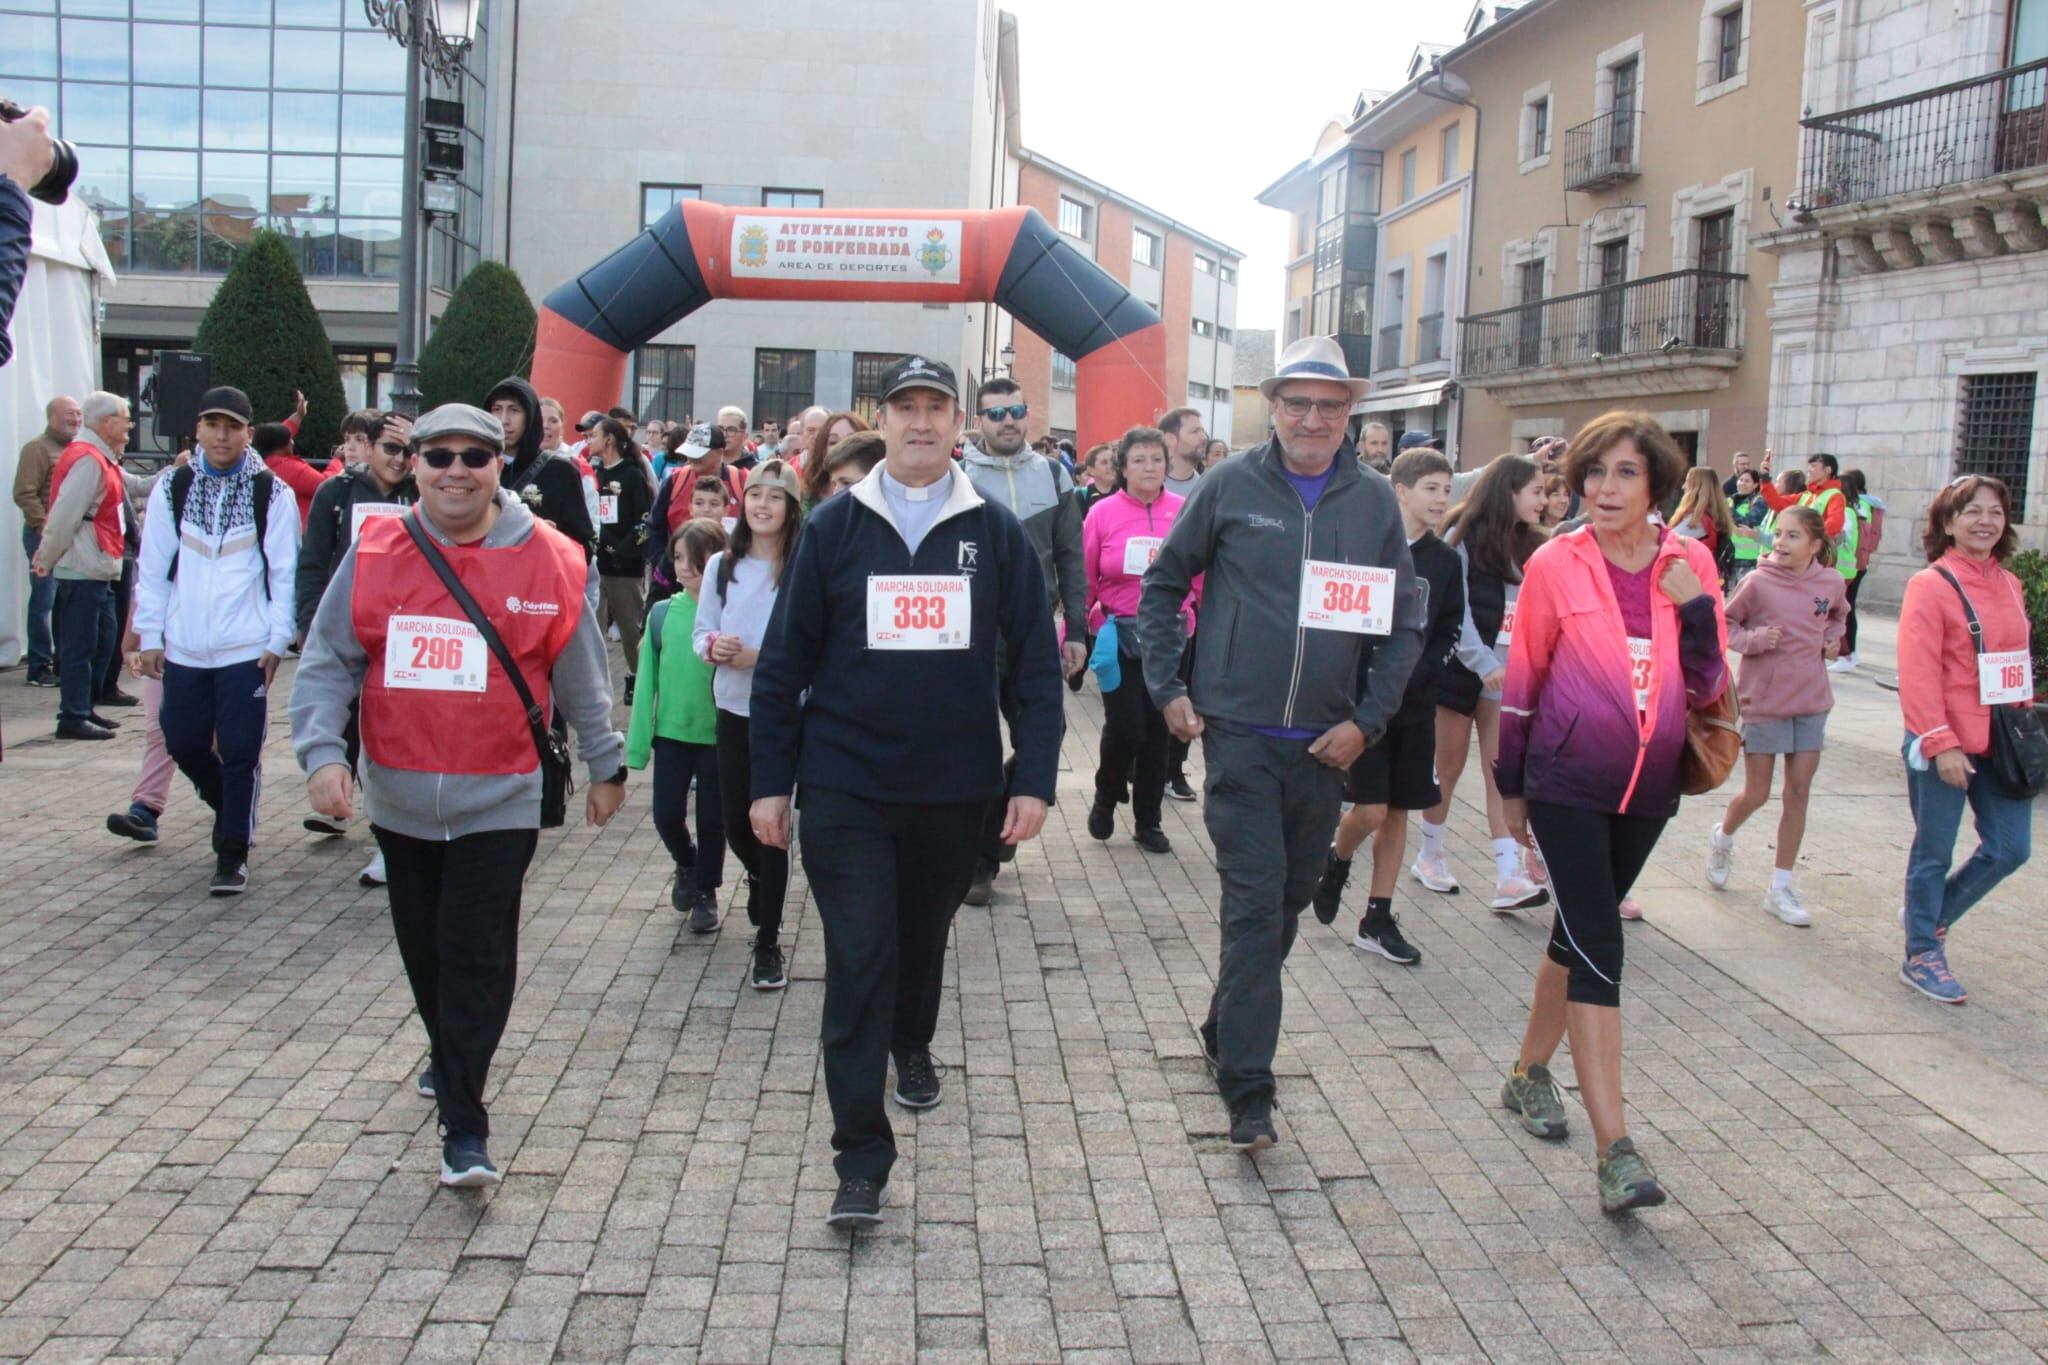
1968,130
1662,334
1429,338
1604,151
1390,357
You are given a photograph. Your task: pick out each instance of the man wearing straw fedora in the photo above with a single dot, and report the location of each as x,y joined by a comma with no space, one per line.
1309,627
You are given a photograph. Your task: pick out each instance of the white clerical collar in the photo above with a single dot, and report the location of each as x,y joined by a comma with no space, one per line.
896,488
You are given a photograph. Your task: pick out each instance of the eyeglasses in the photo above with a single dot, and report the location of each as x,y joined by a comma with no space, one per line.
392,448
1016,412
1330,409
441,457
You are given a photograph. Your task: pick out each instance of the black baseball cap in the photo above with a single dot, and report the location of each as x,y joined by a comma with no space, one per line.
915,372
229,401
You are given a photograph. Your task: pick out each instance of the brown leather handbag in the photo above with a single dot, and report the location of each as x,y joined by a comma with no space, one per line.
1713,742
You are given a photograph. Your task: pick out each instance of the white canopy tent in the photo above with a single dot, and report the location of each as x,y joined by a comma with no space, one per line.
56,351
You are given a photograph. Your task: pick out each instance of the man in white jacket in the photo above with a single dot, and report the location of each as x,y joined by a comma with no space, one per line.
213,612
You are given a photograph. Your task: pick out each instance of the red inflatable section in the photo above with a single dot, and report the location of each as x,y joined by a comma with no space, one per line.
688,259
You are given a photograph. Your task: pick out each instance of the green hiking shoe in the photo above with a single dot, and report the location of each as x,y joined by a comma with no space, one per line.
1535,1099
1626,1180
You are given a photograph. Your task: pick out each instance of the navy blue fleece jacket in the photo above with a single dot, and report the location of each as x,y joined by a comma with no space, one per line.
908,727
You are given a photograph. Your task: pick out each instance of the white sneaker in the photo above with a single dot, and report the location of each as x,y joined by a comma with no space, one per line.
1534,868
1517,893
373,871
1434,873
1783,901
1846,664
1720,861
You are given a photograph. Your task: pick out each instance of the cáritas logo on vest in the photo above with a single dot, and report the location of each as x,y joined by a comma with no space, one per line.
516,606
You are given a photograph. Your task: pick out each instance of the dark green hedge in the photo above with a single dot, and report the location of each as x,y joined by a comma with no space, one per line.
267,340
485,336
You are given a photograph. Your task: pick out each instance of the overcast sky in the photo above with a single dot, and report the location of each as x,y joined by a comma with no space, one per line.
1194,107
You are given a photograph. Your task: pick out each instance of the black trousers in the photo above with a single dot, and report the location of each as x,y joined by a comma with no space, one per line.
767,868
124,598
994,852
1594,859
455,909
1849,636
1135,741
675,763
887,879
1177,749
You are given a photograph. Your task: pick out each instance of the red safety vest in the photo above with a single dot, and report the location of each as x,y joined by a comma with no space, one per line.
106,518
680,482
533,593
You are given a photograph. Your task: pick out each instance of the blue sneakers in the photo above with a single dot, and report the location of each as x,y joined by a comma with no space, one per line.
1928,974
138,822
465,1164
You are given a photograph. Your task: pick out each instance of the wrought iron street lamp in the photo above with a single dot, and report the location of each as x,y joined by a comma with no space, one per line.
437,35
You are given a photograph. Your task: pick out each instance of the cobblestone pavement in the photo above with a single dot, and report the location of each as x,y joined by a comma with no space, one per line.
212,1149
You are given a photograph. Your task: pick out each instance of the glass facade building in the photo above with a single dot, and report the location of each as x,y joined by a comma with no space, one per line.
199,122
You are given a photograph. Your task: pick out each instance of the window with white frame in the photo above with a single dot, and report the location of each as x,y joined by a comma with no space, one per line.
1223,334
1204,328
1227,274
1203,265
1074,216
1724,48
1199,391
1062,371
1533,141
1407,175
1447,154
1146,248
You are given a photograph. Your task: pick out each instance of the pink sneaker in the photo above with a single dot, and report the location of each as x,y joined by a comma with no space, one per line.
1534,867
1517,893
1631,908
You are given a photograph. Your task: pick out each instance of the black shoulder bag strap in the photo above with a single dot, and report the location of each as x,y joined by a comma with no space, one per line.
554,756
2019,744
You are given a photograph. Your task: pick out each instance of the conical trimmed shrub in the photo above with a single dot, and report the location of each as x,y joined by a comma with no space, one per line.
485,335
267,340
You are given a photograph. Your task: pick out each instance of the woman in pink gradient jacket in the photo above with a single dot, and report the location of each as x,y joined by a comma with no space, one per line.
1618,632
1119,540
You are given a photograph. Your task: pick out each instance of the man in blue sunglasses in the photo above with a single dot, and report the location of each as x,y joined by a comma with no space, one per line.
1039,491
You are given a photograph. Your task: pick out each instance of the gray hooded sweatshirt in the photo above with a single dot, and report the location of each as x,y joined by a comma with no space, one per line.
445,806
1039,492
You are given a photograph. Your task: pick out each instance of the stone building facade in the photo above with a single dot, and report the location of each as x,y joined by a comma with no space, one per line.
1909,320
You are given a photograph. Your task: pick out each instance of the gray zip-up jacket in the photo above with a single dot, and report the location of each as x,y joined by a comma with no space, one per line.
1255,666
1038,493
445,806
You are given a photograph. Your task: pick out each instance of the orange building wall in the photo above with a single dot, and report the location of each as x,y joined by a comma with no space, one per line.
1113,226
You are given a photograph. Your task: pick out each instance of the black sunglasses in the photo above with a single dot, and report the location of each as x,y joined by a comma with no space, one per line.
1016,412
441,457
392,447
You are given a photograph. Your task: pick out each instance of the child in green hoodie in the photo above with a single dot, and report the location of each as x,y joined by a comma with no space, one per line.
675,721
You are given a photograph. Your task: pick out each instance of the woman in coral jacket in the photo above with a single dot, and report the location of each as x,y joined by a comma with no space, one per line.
1946,694
1619,632
1119,539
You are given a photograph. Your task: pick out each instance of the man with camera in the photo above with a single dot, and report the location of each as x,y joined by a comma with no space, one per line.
28,161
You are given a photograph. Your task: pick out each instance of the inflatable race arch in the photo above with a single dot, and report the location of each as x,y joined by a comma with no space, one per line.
1010,257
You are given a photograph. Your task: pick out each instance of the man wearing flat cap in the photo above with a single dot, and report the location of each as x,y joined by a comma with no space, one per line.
452,766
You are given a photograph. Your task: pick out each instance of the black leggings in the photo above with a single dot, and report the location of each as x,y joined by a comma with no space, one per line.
767,868
1594,858
1134,744
1849,638
675,763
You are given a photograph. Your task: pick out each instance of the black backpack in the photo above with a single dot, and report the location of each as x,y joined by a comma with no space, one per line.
181,489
